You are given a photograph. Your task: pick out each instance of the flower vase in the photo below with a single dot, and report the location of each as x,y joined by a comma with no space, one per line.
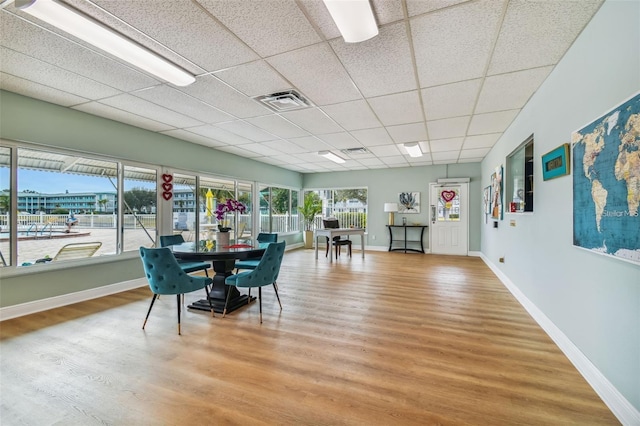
222,239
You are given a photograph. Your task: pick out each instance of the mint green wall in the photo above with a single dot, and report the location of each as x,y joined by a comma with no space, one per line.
594,300
30,120
384,186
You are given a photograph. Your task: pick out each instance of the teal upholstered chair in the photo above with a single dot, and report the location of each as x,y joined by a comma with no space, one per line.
165,276
251,263
264,274
187,265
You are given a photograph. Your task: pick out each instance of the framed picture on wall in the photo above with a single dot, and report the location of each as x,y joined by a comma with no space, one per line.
556,163
496,194
409,202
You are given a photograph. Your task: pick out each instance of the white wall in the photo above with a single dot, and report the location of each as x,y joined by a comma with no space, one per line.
594,300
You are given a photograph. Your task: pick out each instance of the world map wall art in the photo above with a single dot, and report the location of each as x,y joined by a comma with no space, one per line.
606,183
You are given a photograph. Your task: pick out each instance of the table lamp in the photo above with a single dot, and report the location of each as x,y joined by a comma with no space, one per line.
390,208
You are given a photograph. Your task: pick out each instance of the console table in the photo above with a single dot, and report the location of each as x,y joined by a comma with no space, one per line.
398,234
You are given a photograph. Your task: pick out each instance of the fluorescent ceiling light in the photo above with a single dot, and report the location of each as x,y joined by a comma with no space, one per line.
413,149
95,33
331,156
354,19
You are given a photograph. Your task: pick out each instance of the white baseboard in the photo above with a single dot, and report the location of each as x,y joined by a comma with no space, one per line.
28,308
626,413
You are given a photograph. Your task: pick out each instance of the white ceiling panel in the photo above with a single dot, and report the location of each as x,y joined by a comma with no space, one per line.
454,44
510,91
377,75
401,108
462,70
492,122
448,127
373,137
542,29
254,79
316,71
352,115
408,132
451,100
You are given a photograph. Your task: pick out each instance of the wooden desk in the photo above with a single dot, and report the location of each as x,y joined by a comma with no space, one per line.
335,232
223,261
405,241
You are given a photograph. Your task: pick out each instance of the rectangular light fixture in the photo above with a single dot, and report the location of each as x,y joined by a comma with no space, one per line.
331,156
354,19
413,149
104,38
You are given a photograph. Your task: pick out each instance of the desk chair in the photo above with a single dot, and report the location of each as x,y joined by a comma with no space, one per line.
187,266
337,241
253,262
265,273
165,276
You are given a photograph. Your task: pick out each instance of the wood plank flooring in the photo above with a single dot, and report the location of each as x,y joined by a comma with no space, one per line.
394,339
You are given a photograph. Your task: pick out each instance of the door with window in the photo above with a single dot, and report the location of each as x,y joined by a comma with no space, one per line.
449,218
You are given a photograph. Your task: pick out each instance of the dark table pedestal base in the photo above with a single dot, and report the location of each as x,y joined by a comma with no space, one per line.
218,304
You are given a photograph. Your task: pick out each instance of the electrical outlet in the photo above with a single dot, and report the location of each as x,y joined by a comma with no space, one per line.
501,260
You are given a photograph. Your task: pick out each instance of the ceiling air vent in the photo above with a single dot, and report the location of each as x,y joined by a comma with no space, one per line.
359,150
284,101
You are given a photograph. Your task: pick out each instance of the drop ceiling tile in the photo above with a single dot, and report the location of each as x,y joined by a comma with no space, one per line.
380,65
184,104
29,68
254,79
510,91
261,149
147,109
176,24
239,150
352,115
47,46
276,160
246,130
439,145
395,161
445,156
278,126
385,150
544,30
470,160
481,141
418,7
474,153
186,135
340,140
322,78
115,114
221,135
283,146
310,144
454,44
318,13
450,100
492,122
268,27
408,132
420,161
448,127
372,137
312,120
387,11
38,91
400,108
216,93
371,162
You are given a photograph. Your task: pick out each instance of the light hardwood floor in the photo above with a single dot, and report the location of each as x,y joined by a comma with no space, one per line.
394,339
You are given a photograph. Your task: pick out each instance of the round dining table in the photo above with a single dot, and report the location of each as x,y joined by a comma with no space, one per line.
223,259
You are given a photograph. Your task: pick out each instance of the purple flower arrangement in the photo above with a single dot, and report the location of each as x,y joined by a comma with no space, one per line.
228,206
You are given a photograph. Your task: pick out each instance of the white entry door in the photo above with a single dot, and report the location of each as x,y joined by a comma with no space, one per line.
449,218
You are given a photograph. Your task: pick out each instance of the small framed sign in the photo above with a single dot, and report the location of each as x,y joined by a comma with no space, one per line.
556,163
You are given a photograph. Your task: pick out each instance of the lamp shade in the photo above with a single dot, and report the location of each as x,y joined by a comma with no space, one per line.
390,207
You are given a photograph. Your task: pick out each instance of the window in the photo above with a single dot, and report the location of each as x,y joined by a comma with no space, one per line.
278,209
349,206
139,207
519,178
5,206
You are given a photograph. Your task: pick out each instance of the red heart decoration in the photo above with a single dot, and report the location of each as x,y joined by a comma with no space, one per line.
448,195
167,195
167,178
167,186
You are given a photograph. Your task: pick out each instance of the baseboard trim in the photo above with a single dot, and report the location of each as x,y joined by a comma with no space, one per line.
35,306
626,413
